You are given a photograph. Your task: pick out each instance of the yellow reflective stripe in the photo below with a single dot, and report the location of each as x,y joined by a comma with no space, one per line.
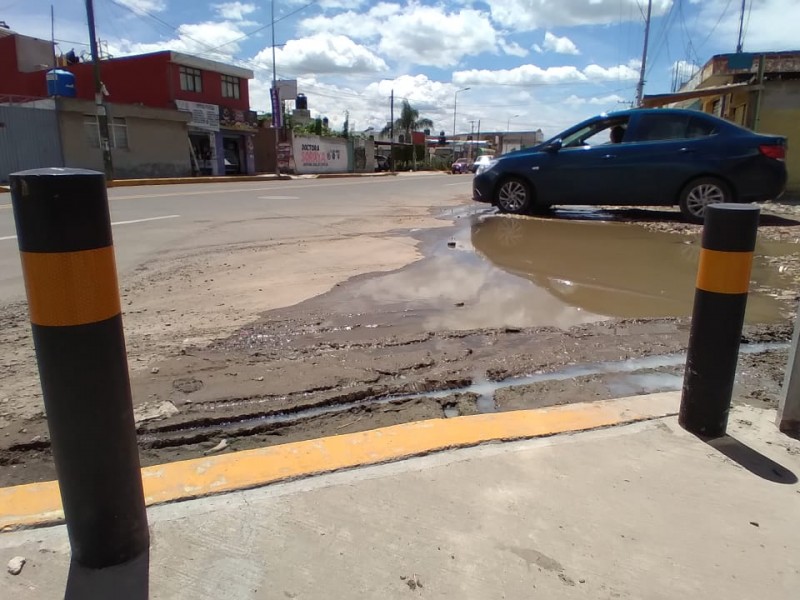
724,272
71,288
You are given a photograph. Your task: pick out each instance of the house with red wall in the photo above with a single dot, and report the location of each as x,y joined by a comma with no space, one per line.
217,96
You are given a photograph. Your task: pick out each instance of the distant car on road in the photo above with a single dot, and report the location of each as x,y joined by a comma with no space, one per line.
460,166
481,163
655,157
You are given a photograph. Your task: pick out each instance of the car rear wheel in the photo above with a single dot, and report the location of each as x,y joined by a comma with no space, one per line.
514,196
700,193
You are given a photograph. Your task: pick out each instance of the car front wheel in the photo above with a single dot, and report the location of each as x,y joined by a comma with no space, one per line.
514,196
700,193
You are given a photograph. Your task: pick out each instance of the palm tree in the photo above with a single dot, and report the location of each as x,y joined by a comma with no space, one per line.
408,122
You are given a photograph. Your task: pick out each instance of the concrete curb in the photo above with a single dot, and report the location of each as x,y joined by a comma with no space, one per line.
223,179
39,504
344,175
185,180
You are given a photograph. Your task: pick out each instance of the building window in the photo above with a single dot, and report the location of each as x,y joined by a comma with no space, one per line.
91,130
117,131
191,79
230,87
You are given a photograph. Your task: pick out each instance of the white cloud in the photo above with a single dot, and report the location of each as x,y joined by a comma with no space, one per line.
428,36
418,34
534,75
512,48
211,39
234,11
423,93
320,54
145,5
616,73
527,15
359,26
559,45
772,24
329,4
610,101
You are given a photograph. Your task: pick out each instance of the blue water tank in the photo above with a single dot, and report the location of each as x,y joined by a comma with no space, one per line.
60,83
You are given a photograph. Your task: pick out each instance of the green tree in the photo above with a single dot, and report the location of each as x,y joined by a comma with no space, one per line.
408,121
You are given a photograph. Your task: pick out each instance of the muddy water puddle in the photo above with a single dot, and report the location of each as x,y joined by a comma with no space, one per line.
622,270
501,271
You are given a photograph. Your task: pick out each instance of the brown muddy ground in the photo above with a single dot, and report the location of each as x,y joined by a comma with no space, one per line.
502,314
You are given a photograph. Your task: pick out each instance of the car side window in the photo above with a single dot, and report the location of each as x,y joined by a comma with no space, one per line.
656,128
699,127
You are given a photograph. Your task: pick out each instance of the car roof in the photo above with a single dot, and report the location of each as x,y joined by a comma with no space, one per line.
656,111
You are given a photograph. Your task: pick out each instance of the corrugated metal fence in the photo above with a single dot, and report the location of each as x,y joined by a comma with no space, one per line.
29,139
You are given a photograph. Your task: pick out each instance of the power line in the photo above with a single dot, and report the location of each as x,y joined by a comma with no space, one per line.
260,29
713,29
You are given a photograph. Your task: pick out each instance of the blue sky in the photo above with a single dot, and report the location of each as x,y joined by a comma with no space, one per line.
529,64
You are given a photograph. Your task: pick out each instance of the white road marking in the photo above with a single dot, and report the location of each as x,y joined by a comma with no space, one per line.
459,183
145,220
13,237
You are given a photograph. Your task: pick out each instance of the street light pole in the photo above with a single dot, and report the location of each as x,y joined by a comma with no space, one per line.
455,105
508,124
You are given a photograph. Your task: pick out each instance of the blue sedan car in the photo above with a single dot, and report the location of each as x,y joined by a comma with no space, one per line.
655,157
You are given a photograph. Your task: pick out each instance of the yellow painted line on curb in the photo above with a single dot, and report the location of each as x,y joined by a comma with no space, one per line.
38,504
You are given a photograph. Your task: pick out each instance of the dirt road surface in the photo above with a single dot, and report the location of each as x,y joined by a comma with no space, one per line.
262,316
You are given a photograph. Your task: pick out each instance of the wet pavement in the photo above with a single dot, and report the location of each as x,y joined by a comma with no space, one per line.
501,313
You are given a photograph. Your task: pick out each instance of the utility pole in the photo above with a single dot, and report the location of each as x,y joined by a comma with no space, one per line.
99,98
471,138
391,133
640,85
740,42
277,104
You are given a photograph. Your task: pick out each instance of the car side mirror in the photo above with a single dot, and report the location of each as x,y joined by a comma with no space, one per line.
553,146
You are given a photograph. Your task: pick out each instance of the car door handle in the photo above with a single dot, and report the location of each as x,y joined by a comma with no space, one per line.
686,150
609,156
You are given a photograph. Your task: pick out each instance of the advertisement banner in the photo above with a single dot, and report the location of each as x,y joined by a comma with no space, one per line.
276,108
204,116
314,154
284,156
232,118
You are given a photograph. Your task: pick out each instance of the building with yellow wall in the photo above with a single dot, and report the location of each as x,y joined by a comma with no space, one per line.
760,91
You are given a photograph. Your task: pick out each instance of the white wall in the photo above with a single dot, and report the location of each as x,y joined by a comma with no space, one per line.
314,154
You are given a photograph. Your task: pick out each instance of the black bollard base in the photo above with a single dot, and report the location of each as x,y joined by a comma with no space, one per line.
723,280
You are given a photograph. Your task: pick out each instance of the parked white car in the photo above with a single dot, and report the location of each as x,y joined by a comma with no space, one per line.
482,163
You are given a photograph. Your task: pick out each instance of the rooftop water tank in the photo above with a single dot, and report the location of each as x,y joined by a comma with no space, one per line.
60,83
301,102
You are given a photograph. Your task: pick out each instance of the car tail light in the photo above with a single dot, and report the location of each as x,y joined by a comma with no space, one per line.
776,151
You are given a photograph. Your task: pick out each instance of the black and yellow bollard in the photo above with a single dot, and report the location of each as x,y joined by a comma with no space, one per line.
723,281
64,234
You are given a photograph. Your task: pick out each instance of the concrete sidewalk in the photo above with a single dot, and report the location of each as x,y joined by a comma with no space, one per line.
642,510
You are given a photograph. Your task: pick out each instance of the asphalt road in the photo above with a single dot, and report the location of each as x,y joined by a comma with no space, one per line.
153,220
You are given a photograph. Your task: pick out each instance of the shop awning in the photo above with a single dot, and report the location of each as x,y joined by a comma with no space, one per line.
654,100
